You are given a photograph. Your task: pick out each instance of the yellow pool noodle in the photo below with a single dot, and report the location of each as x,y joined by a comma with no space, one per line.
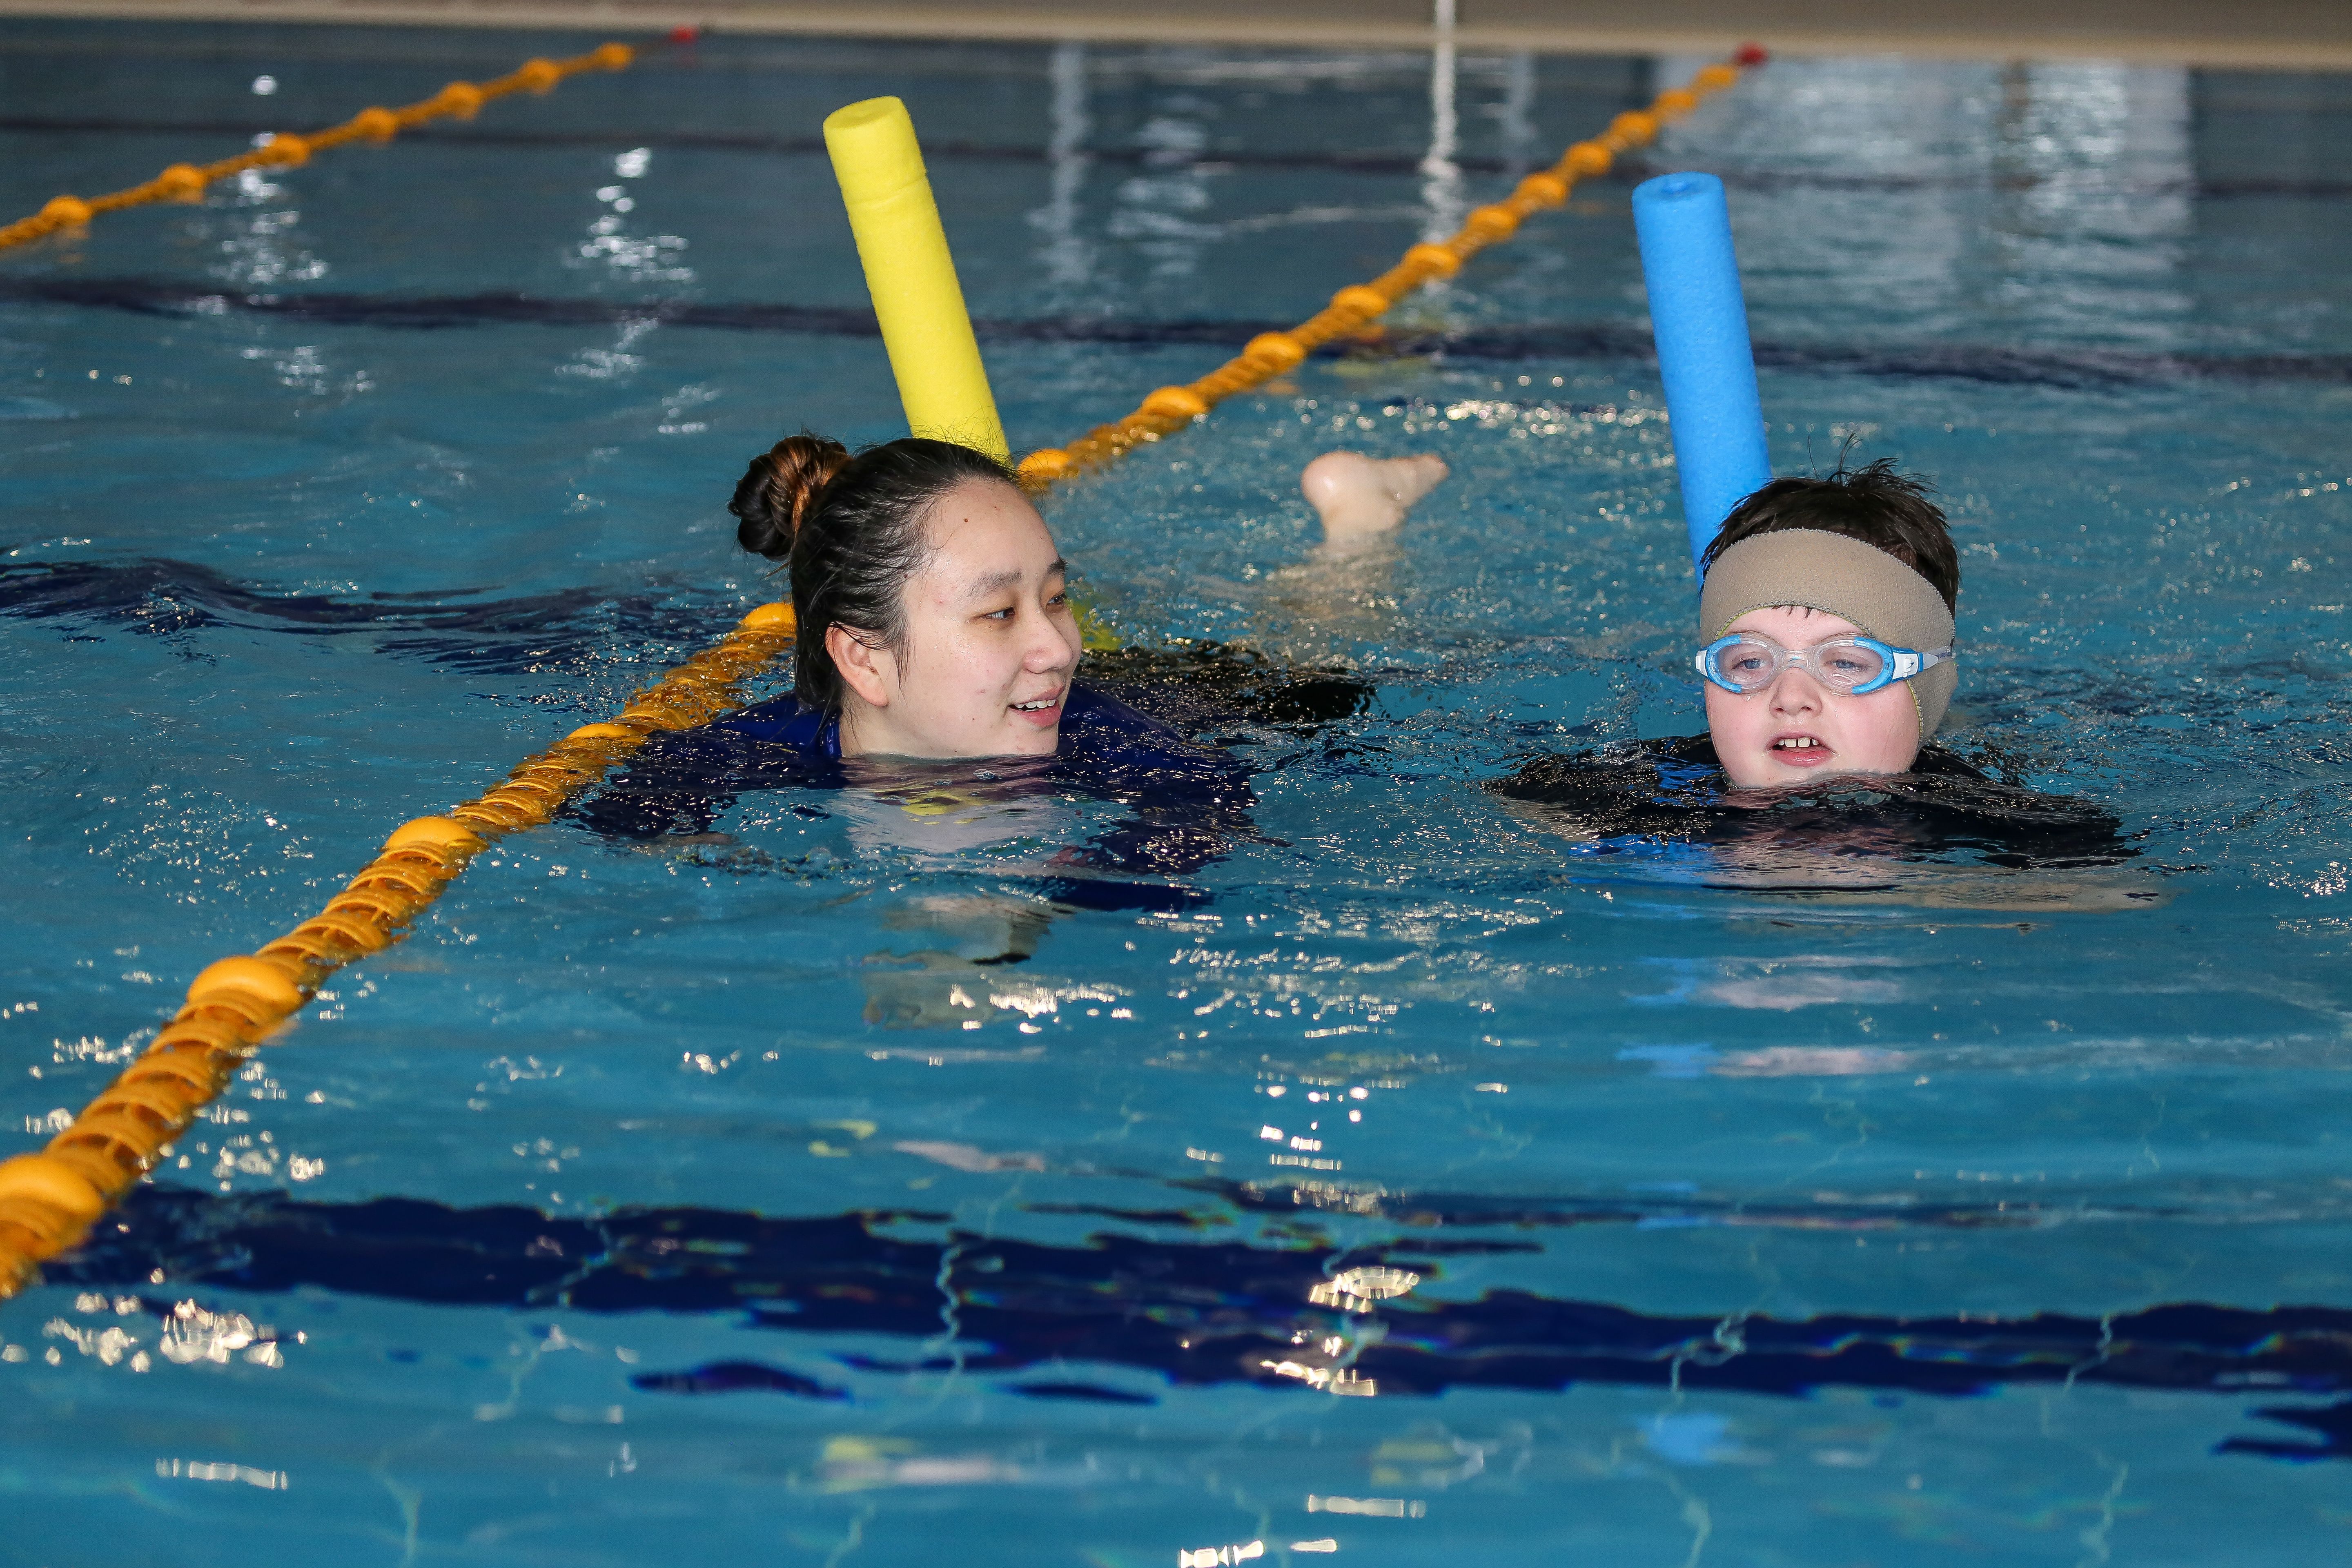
911,276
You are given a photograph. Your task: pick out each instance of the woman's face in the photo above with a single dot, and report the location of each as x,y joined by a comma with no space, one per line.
990,642
1797,729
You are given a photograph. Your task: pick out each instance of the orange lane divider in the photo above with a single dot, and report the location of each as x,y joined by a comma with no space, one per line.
186,182
1269,354
48,1200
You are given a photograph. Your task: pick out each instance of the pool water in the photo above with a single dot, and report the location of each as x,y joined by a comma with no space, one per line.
1427,1183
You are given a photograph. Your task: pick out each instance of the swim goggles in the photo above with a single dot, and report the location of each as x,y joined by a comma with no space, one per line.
1747,662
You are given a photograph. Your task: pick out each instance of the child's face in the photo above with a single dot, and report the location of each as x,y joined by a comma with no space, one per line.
1798,730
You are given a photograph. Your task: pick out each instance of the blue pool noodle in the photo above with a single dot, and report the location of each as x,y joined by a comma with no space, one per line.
1704,357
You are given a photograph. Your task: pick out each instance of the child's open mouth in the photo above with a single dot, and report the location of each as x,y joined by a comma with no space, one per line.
1804,751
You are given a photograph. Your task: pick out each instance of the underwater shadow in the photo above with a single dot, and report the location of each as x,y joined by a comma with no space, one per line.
1193,1314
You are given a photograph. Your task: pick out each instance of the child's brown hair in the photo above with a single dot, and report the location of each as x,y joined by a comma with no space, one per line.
1874,504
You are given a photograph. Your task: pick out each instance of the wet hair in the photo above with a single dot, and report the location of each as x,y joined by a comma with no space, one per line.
851,530
1874,504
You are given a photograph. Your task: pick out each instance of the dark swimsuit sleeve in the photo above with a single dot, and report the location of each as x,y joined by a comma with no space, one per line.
1188,804
681,783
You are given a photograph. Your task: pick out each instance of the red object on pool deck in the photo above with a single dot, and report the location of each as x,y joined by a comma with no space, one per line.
685,34
1752,56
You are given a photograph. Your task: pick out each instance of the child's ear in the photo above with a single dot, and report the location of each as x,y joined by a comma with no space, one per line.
867,668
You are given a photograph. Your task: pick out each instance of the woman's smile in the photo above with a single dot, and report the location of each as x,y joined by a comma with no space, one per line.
1045,712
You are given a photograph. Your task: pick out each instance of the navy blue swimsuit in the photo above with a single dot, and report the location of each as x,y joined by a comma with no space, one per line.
1631,798
1187,803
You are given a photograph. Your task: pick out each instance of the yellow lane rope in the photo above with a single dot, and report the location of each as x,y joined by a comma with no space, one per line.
186,182
48,1200
1171,409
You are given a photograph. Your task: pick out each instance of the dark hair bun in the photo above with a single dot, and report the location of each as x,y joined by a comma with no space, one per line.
778,488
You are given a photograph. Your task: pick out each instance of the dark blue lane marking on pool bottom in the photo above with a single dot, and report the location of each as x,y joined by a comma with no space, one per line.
737,1377
571,629
1347,160
1079,1391
2078,367
2333,1423
1188,1313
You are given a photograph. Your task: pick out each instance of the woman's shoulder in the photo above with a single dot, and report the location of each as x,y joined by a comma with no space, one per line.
1108,745
1098,727
1086,712
787,720
1097,730
1089,711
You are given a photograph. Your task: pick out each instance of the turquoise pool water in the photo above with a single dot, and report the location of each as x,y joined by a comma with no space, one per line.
810,1187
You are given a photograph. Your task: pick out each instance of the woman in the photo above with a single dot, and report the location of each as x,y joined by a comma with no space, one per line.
935,631
932,604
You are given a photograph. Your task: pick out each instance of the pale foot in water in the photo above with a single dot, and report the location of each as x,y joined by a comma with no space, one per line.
1360,498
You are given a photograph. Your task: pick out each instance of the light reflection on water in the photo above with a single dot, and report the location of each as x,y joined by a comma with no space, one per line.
1715,1175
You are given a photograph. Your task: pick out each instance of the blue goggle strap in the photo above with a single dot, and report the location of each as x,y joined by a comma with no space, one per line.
1901,663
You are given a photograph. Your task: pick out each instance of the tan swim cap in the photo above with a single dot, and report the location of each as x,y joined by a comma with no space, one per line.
1840,576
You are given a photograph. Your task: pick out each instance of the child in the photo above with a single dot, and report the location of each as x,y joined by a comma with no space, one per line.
1827,617
1826,620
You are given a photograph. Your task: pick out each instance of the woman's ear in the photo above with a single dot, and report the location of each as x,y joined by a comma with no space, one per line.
865,669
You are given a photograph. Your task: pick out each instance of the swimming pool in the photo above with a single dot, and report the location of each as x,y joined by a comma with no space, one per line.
809,1187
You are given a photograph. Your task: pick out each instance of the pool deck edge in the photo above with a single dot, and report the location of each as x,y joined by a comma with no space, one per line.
1016,24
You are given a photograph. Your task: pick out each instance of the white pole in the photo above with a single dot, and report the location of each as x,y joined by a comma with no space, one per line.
1068,258
1440,177
1518,112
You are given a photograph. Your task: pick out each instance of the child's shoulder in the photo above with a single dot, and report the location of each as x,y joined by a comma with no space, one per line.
1616,772
1944,807
1675,764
